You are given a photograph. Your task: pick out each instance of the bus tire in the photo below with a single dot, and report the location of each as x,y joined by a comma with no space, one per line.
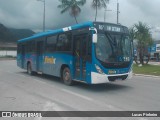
66,76
29,69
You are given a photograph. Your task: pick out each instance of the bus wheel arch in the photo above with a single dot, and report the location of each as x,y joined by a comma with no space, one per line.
66,75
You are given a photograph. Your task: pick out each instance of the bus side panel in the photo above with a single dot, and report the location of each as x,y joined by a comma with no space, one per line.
32,59
48,64
33,62
24,61
19,60
64,59
27,58
88,72
39,63
53,63
21,52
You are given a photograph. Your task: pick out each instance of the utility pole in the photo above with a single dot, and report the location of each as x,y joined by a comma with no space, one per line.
118,12
44,12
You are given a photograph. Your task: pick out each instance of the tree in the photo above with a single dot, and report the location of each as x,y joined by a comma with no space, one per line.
143,36
132,33
98,4
73,6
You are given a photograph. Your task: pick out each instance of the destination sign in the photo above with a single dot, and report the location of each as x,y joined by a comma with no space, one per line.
111,27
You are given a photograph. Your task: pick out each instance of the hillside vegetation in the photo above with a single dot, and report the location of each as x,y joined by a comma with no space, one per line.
11,35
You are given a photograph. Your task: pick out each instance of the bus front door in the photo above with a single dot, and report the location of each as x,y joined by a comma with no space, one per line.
80,57
39,60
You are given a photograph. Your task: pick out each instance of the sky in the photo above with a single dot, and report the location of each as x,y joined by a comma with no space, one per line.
28,14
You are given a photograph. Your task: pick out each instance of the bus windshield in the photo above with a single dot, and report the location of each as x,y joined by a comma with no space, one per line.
113,48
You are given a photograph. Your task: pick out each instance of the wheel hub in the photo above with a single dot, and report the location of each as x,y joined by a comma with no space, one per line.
66,76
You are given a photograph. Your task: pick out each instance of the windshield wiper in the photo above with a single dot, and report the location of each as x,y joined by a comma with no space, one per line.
113,45
111,40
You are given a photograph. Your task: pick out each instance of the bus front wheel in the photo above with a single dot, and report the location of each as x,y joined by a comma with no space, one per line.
66,76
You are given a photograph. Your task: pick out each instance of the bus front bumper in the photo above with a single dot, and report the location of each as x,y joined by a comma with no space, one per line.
97,78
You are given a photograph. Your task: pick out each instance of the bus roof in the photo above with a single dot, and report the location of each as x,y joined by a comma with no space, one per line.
74,27
51,32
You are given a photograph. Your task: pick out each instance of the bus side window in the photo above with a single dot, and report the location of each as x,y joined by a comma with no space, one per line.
51,44
32,47
64,42
27,47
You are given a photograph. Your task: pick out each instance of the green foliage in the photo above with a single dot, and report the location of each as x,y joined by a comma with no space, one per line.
73,6
98,4
147,69
132,33
21,33
10,35
141,33
6,35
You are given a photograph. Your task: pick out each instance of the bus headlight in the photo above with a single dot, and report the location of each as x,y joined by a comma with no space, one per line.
99,70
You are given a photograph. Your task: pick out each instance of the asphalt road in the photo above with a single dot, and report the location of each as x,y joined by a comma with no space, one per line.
21,92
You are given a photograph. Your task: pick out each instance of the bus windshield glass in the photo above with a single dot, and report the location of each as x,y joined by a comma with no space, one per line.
113,48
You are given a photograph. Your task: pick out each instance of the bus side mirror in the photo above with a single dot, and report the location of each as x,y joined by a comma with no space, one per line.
94,38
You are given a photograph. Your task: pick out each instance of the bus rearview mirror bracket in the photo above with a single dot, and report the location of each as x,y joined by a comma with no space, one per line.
94,32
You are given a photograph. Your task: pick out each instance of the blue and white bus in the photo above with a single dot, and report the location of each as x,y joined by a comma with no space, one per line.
91,52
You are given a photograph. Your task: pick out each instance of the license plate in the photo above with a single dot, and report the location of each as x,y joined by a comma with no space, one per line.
112,71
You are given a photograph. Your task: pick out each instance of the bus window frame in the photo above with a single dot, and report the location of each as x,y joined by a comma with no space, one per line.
45,44
66,33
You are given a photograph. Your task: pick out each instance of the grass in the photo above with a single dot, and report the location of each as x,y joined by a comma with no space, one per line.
147,69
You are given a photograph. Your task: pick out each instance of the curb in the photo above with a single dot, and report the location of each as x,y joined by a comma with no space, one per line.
147,75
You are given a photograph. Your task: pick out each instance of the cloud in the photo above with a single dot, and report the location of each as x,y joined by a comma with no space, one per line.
149,9
29,13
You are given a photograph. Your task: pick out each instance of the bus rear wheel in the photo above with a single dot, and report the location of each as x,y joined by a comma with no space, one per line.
29,69
66,76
